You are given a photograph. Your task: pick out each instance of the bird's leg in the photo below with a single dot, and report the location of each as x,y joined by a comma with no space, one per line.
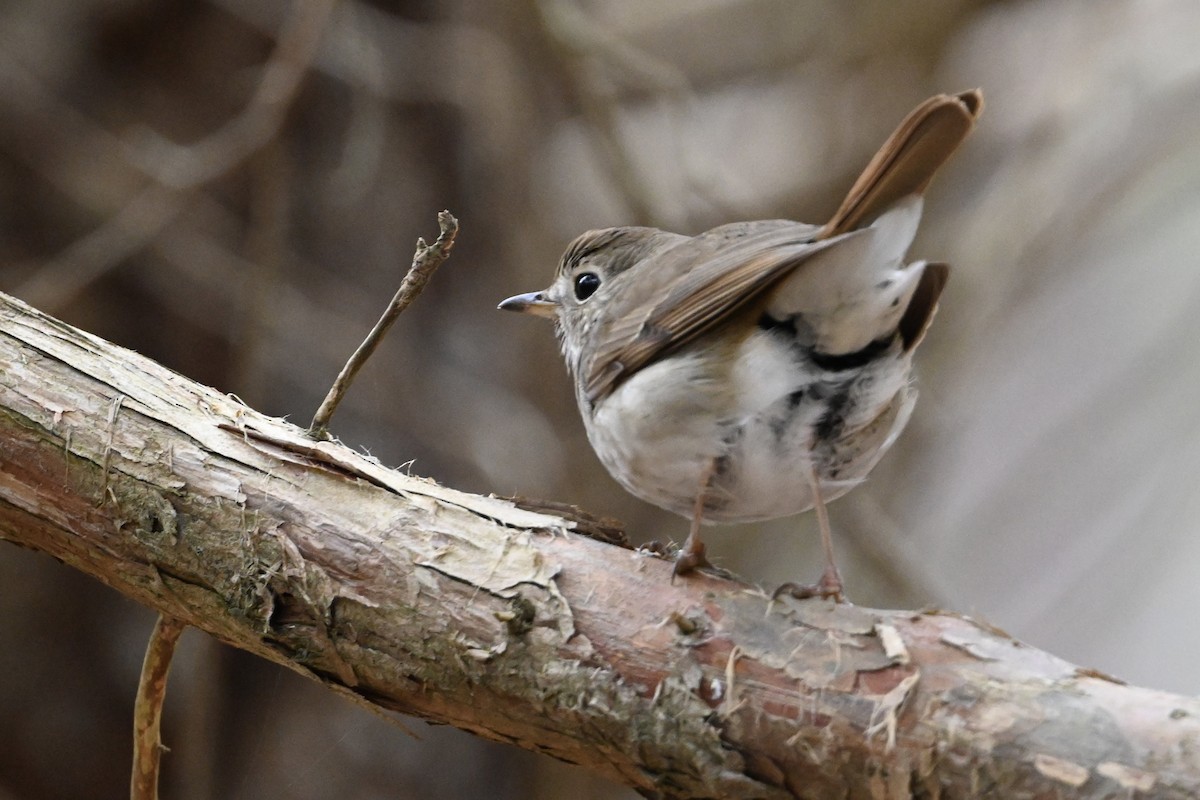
830,583
691,555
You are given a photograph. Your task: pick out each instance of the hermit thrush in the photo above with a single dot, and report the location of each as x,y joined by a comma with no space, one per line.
762,368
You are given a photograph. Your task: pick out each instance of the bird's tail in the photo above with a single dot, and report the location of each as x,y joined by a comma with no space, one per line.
908,160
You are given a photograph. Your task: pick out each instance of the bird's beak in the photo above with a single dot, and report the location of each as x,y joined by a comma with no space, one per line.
532,303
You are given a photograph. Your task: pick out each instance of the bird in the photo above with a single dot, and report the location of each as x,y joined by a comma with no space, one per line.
762,368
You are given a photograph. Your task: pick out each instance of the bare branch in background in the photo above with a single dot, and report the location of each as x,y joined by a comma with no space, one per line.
581,45
596,62
270,172
180,169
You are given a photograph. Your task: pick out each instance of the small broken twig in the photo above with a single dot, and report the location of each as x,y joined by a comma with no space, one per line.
425,261
147,708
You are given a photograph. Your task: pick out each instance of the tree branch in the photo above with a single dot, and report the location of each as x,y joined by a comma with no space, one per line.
468,610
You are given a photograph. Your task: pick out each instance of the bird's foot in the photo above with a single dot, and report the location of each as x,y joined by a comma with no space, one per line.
829,587
690,558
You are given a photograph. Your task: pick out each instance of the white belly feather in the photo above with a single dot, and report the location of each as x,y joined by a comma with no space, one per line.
663,430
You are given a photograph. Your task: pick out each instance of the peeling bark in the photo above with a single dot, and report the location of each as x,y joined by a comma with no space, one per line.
507,622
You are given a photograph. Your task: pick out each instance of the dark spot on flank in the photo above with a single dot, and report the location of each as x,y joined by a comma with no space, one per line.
859,358
782,420
784,327
721,465
731,436
831,422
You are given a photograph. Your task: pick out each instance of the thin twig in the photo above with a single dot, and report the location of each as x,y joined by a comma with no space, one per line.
147,708
425,262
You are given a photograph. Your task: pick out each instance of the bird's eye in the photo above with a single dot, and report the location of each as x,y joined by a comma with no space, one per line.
586,284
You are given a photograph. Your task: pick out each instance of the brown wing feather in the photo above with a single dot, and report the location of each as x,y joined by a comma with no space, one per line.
723,283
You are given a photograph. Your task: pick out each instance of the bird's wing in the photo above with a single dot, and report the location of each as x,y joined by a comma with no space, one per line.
718,274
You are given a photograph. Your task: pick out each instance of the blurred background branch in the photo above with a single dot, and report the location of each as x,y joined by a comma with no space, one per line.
177,169
1046,481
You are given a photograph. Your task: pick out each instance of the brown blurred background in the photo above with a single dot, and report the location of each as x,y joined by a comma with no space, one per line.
245,226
